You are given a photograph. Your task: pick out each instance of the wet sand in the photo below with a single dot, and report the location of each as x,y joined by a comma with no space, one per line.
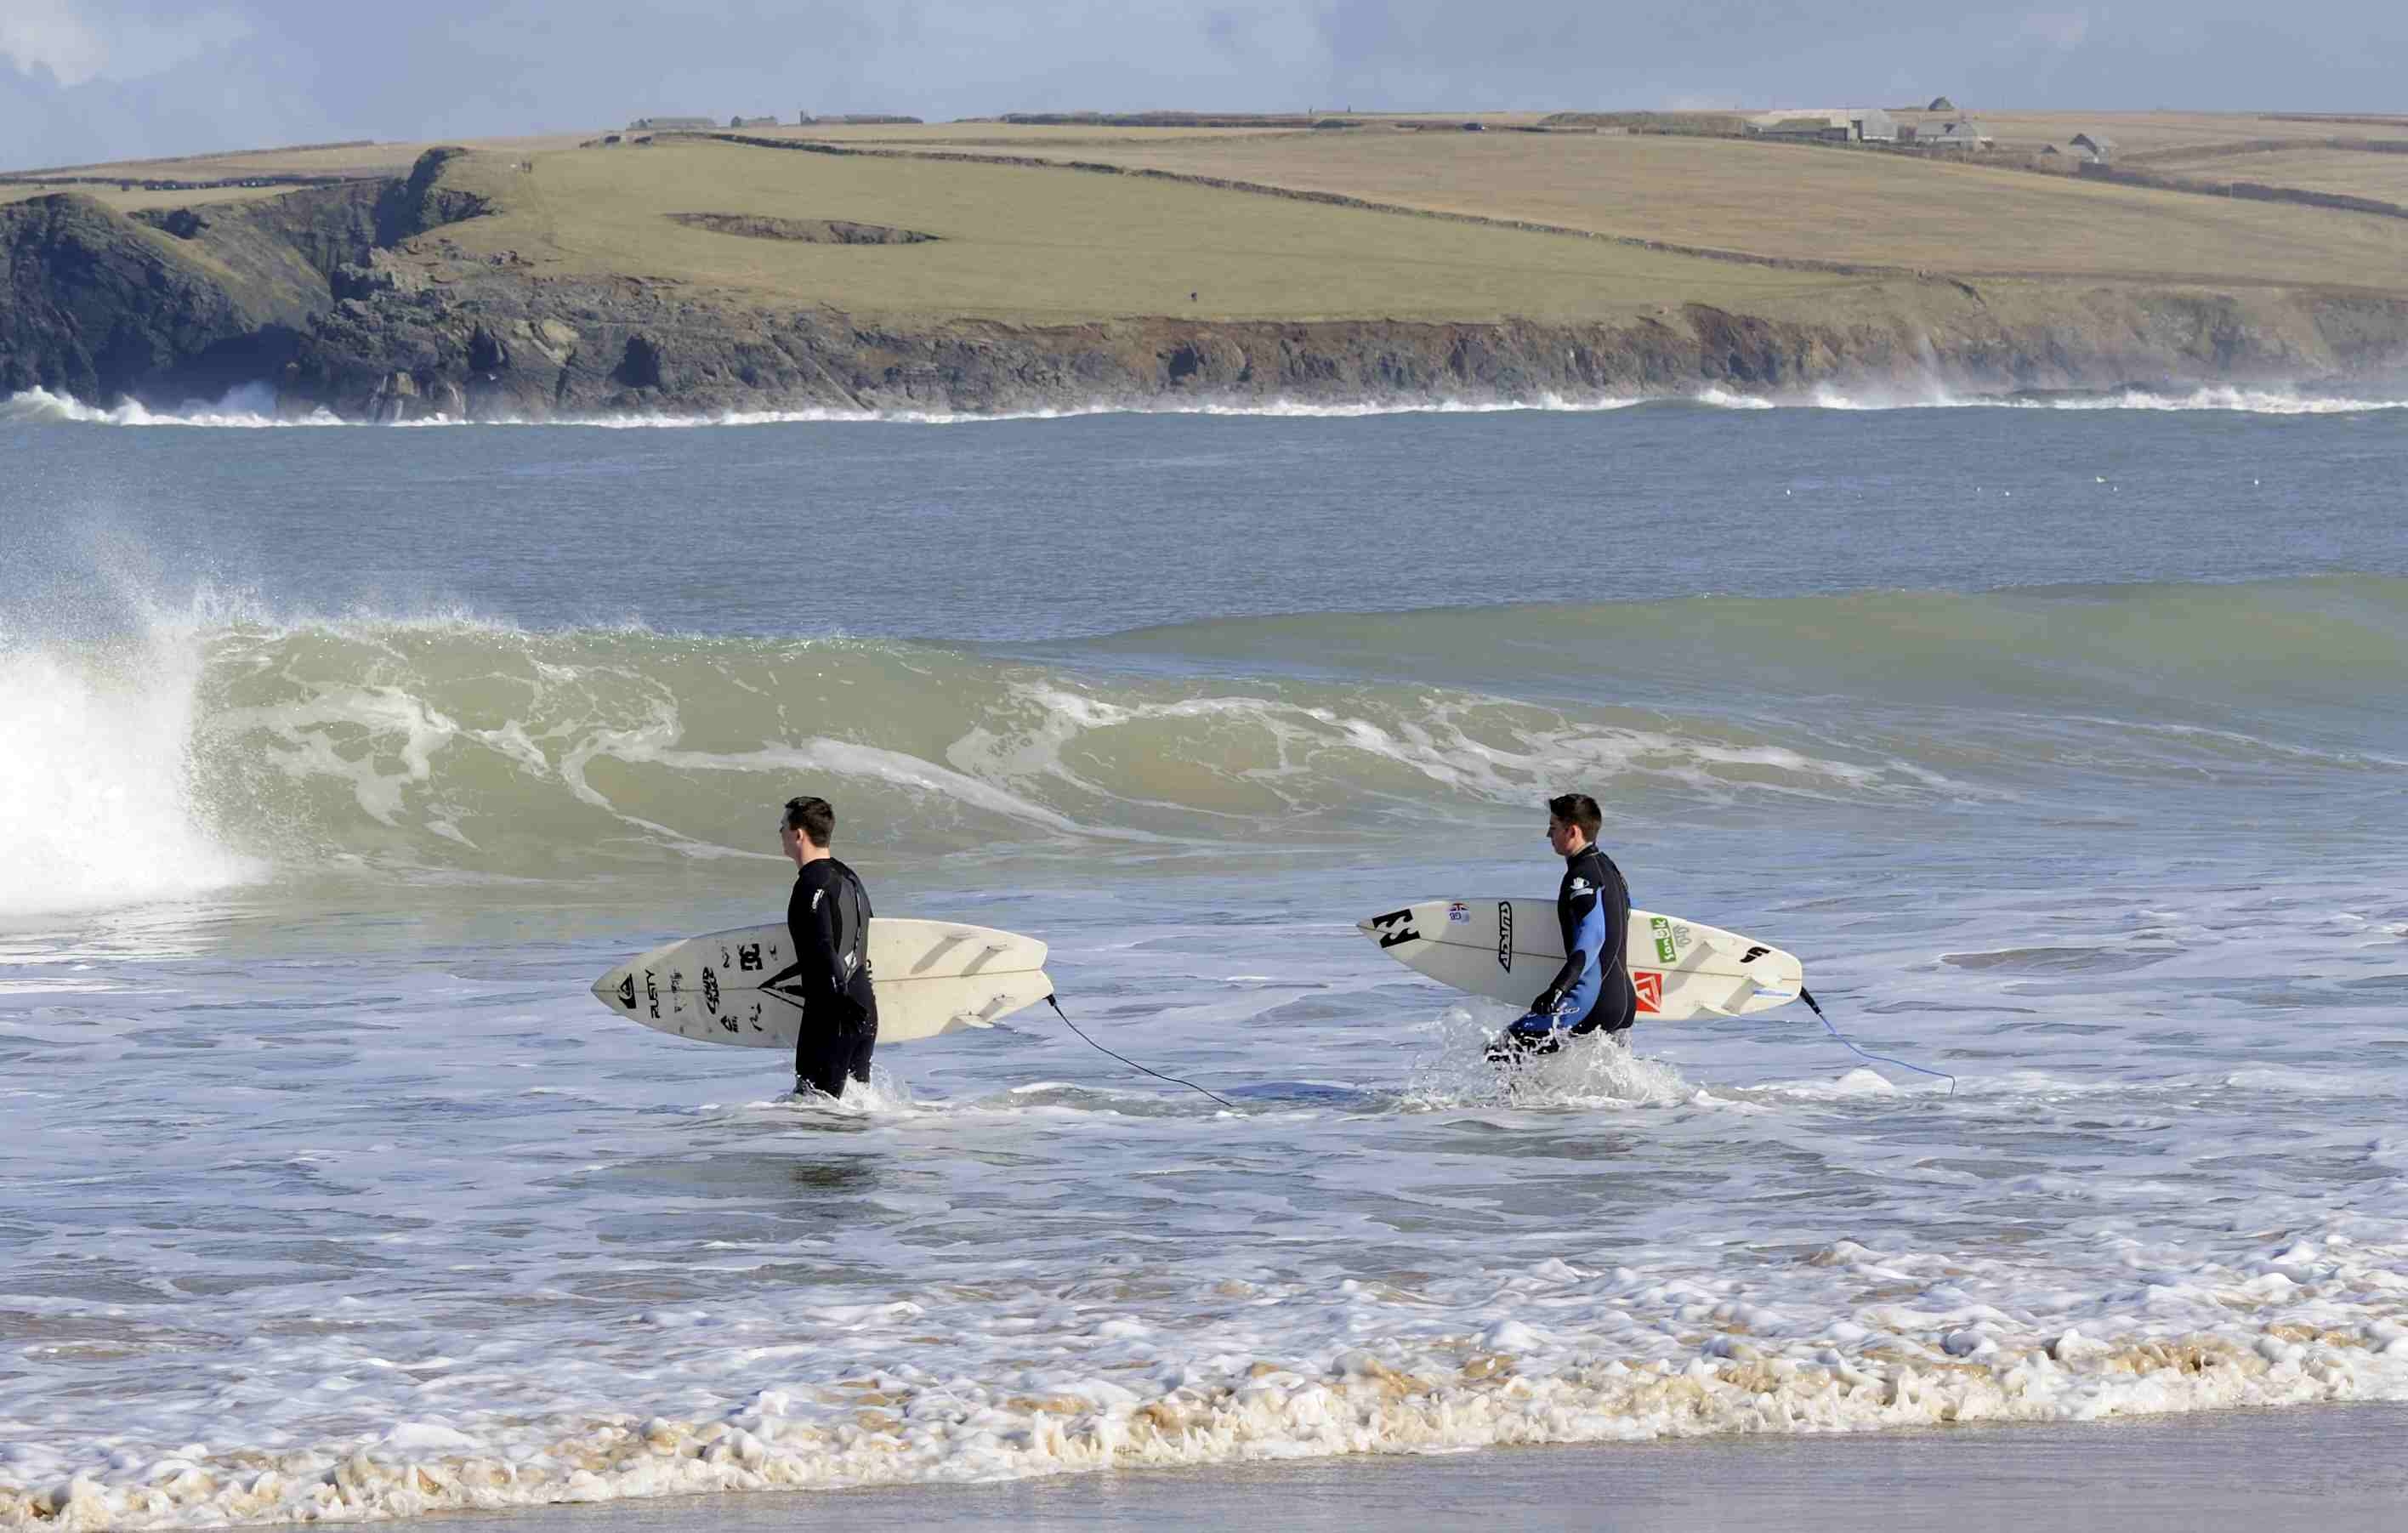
2338,1469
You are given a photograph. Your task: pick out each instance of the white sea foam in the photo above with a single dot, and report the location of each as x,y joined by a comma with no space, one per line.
248,407
2225,398
97,805
255,406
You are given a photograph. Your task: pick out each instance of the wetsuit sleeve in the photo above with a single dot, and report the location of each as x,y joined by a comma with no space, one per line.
810,921
1571,913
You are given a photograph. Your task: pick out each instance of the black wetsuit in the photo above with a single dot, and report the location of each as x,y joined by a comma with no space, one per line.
828,917
1592,993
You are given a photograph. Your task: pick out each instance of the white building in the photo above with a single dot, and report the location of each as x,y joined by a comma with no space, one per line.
1836,124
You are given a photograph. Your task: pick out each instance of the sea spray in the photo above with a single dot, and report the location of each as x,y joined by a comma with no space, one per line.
98,803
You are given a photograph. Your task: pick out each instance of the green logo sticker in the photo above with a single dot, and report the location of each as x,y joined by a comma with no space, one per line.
1666,953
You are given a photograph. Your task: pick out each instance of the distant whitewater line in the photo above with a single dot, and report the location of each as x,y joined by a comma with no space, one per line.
253,406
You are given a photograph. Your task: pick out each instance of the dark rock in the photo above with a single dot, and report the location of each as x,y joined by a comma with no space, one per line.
486,351
412,207
93,305
639,365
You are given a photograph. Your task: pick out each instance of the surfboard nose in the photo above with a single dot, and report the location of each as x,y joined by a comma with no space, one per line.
616,990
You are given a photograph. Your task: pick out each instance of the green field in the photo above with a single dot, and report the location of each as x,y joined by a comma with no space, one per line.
1047,245
1810,203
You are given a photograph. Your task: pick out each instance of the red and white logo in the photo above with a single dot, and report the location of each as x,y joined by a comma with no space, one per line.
1650,986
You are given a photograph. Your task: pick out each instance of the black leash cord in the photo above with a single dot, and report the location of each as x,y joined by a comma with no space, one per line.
1804,995
1131,1063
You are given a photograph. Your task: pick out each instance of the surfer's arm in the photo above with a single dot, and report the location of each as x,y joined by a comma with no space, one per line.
1572,913
810,921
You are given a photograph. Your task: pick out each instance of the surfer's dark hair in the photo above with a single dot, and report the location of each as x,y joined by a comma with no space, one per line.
814,817
1578,809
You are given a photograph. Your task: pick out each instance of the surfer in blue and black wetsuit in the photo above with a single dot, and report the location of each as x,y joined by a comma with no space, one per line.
1592,993
828,918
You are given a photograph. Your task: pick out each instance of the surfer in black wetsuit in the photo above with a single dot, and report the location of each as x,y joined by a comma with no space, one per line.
1592,993
828,918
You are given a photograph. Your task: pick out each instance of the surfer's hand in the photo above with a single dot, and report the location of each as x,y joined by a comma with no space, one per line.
1549,1002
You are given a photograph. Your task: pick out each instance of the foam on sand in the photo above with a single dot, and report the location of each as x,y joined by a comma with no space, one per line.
1547,1353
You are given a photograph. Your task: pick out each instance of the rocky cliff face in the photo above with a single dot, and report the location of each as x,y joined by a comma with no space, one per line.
97,307
325,293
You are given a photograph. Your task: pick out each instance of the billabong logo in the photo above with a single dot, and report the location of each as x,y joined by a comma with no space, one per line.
1650,986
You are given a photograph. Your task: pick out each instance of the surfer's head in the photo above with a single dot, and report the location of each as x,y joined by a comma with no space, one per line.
808,825
1572,822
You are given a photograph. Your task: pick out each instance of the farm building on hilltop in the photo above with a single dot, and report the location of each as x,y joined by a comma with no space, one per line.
1964,133
657,123
768,122
2098,144
1941,104
1837,125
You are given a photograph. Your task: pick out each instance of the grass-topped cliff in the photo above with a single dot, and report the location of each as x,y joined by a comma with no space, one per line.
993,265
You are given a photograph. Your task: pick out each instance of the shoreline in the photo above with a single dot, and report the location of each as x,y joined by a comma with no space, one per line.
2159,1474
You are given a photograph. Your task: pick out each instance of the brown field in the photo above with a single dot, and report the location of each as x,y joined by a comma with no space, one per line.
347,161
138,199
1049,244
1808,202
2355,173
2134,133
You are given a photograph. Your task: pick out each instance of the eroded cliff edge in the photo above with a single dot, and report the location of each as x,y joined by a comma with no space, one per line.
348,299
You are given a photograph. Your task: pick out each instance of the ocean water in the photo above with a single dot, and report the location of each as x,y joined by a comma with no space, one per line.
2064,742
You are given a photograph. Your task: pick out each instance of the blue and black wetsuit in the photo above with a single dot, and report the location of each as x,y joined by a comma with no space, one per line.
828,918
1592,992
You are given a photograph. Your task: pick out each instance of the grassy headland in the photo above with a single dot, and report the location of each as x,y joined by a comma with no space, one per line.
1714,257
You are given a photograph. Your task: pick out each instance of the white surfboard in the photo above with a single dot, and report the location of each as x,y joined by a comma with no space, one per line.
1511,949
930,977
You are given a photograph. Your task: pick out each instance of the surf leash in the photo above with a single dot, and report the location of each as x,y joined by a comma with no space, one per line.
1808,997
1131,1063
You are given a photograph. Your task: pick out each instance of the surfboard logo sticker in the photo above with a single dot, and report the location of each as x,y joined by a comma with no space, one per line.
710,995
1668,953
1650,986
1505,934
1395,927
652,993
1459,913
627,993
748,957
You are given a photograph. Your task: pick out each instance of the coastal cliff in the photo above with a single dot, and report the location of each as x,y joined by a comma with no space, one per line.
353,299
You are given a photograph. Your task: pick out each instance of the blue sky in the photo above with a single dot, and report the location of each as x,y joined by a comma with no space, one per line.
97,79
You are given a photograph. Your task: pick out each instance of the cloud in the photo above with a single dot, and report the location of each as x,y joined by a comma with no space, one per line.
46,35
51,36
2061,29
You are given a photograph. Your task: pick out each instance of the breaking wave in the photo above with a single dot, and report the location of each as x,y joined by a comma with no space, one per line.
447,742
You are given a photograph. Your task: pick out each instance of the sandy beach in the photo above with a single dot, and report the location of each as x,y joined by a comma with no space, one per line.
2338,1469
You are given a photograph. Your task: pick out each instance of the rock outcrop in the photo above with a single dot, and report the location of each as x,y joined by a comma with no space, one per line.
97,305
